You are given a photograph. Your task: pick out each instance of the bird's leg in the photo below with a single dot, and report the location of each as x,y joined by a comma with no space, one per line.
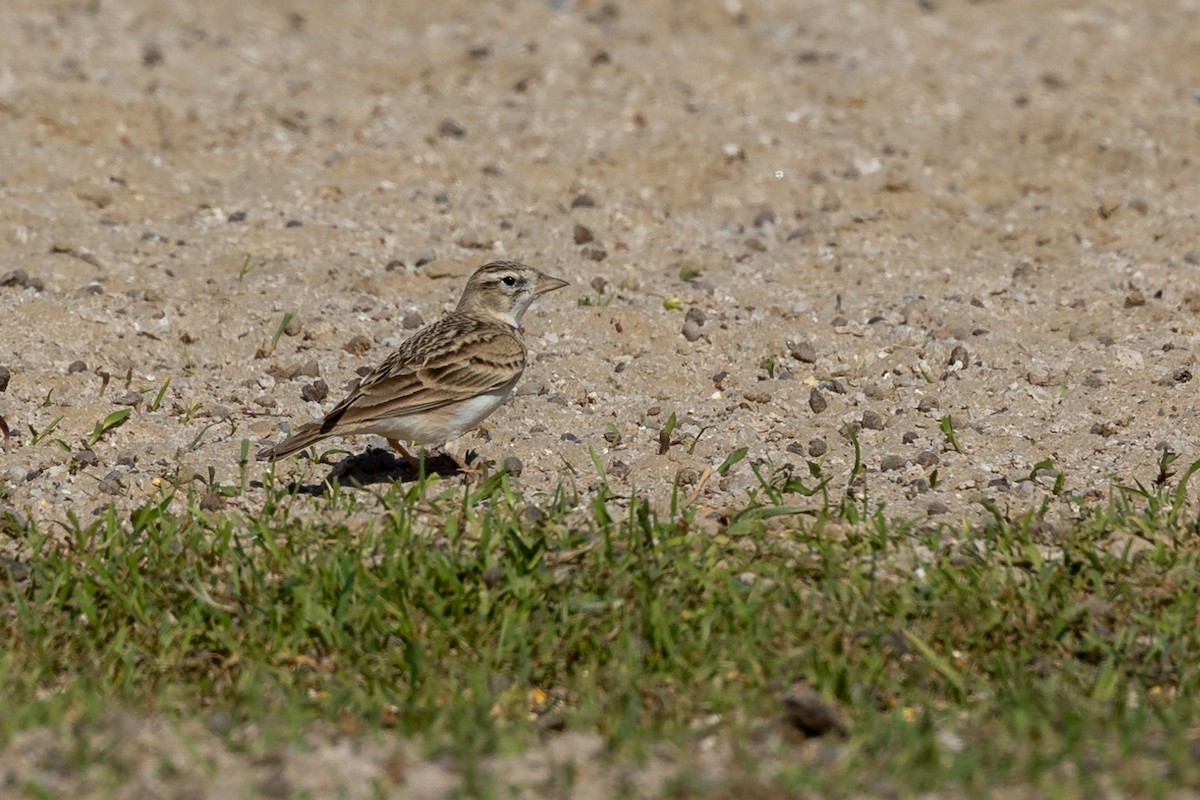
451,449
411,460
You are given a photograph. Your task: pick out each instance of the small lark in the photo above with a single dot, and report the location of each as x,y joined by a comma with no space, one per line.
445,379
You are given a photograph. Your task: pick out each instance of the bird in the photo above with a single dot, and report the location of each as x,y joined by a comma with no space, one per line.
447,377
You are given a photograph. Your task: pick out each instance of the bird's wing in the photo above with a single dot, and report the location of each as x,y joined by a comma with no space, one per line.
454,359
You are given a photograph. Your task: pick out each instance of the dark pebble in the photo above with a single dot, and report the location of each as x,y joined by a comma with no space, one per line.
909,437
492,576
569,437
89,289
691,330
835,386
5,377
315,392
152,55
919,486
113,482
10,568
558,399
411,321
450,129
873,391
811,715
533,515
800,234
513,466
583,234
618,469
1000,483
441,197
583,201
594,252
293,223
1181,375
357,345
876,318
872,421
959,356
928,403
839,322
394,265
1192,257
927,458
764,218
428,258
718,378
212,501
76,366
237,216
85,458
937,507
687,477
816,401
697,315
890,463
817,447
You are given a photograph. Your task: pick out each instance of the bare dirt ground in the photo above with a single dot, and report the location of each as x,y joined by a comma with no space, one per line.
897,211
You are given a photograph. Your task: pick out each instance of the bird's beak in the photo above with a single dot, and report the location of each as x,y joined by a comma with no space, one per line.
548,283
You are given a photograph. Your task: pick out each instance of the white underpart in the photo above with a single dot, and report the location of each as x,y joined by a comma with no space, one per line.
440,425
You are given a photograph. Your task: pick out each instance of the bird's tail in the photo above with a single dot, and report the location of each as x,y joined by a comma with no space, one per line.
304,436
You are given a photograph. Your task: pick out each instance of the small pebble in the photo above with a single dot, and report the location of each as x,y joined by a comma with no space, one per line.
5,377
315,392
85,458
927,458
237,216
569,437
20,279
113,482
937,507
872,421
594,252
691,330
583,201
411,321
293,223
764,218
817,447
583,234
890,463
817,401
618,469
559,399
265,401
959,356
76,366
130,398
450,129
802,351
293,327
909,437
358,345
513,466
928,403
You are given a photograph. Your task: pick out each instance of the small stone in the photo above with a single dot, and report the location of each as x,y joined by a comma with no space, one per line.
450,129
21,280
927,458
697,315
85,458
471,239
569,437
764,218
909,437
812,715
152,55
691,331
890,463
1135,299
687,477
872,421
937,507
817,447
76,366
265,401
293,223
618,469
802,351
212,501
293,327
928,403
411,321
817,401
559,399
874,391
113,482
513,466
130,398
800,234
1192,257
5,377
584,200
237,216
315,392
358,345
959,356
594,252
583,234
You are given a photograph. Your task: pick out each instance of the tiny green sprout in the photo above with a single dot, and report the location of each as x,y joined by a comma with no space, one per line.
731,459
48,400
283,323
673,304
245,270
38,436
158,398
113,420
688,273
947,426
934,479
664,435
768,364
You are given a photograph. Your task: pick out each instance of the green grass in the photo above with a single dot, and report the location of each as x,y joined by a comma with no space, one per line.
477,619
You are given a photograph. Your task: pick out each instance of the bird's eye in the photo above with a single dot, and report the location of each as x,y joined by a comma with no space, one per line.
509,281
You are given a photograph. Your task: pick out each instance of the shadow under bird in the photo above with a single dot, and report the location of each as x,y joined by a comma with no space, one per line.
447,377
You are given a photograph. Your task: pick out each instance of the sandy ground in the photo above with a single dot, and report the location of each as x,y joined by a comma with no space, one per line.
897,211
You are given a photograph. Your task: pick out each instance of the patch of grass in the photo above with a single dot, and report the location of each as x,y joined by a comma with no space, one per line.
478,617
